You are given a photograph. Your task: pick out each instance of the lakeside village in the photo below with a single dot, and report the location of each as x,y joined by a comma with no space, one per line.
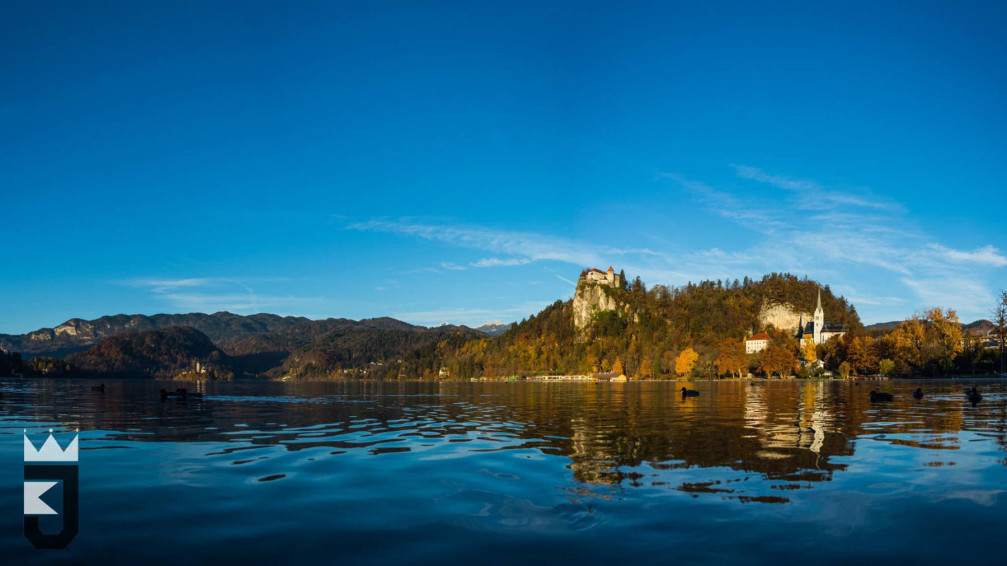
783,350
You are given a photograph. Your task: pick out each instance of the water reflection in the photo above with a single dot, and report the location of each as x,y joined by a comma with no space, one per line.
628,434
427,473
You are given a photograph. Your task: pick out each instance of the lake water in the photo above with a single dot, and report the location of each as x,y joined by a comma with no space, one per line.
551,473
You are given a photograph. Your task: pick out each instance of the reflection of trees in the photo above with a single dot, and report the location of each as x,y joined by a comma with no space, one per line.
789,431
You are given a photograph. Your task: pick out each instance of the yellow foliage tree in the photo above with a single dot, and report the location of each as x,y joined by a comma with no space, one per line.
861,355
685,361
617,367
808,351
945,337
646,367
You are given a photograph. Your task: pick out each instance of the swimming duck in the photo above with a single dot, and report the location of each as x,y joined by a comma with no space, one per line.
973,395
877,397
918,394
100,388
178,394
689,392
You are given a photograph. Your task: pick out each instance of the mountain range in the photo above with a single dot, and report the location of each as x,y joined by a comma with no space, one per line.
976,328
231,345
241,333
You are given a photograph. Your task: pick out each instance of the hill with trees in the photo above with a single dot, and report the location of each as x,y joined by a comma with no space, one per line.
383,353
165,353
649,330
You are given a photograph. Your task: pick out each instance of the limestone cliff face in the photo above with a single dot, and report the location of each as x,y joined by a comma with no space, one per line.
783,317
589,299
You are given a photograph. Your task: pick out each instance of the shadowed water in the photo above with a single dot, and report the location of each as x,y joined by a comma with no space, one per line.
422,473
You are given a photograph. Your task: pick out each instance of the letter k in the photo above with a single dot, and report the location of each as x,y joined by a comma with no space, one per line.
33,492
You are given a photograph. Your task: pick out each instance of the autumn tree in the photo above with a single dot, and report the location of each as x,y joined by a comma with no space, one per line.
685,361
731,357
778,360
617,367
668,361
656,367
907,342
1000,327
943,338
886,366
861,356
809,351
844,370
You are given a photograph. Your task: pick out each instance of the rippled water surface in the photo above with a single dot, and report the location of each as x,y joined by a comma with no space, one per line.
467,473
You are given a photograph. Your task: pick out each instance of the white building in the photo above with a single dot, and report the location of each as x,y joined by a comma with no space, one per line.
757,343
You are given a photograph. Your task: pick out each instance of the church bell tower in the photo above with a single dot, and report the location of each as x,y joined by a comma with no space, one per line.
819,319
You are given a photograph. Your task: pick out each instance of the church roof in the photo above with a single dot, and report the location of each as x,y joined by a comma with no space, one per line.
819,307
809,328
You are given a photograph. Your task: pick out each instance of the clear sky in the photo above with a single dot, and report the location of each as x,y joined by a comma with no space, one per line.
462,162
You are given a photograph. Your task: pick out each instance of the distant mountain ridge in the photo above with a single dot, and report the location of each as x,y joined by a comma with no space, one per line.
321,349
222,328
493,329
976,328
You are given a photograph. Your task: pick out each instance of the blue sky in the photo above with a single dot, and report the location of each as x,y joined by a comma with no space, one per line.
463,162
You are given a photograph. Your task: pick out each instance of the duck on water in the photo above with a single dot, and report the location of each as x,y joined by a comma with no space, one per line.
973,395
880,397
180,393
689,392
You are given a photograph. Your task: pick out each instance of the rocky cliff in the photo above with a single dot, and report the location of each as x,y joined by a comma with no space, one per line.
782,316
589,299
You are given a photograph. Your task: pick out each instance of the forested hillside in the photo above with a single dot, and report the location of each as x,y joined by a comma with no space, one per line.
648,334
375,353
163,353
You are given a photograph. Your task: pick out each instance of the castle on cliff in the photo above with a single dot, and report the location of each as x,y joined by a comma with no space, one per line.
610,277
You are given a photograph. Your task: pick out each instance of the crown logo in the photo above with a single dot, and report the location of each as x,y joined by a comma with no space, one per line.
51,451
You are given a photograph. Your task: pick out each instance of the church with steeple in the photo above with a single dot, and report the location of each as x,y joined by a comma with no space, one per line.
817,330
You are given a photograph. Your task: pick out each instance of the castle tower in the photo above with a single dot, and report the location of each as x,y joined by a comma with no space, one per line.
819,319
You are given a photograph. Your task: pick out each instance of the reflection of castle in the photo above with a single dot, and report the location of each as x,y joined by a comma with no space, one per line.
818,330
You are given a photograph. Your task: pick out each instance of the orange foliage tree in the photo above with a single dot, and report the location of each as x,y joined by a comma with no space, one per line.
685,361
